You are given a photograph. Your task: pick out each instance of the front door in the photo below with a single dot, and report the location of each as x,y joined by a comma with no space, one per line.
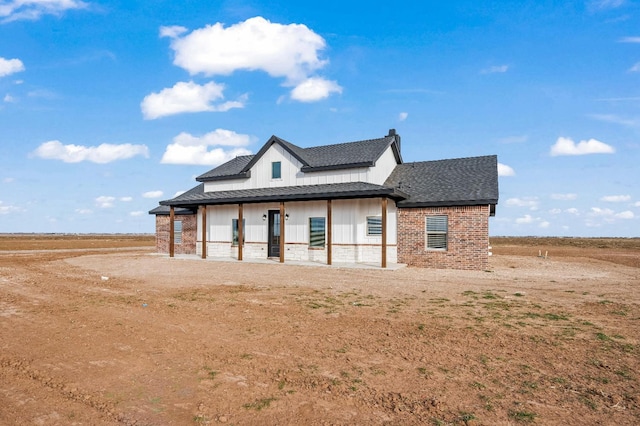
274,233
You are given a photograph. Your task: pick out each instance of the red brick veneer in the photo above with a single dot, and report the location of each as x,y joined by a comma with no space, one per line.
189,234
468,239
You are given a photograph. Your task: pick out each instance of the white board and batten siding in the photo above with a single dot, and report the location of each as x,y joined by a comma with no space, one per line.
292,176
349,223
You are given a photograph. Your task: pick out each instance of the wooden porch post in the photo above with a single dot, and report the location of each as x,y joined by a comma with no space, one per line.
329,232
171,231
282,232
240,231
384,232
204,232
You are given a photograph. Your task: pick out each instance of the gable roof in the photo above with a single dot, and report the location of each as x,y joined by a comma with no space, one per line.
453,182
363,153
459,181
232,169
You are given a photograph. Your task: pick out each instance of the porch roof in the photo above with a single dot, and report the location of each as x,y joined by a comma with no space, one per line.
196,196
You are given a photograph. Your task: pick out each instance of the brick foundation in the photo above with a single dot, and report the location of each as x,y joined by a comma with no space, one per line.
189,234
468,238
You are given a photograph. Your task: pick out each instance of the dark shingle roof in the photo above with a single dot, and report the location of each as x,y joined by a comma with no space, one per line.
328,157
351,154
197,196
460,181
164,210
230,170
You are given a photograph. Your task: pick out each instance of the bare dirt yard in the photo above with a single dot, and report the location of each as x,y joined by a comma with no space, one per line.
101,331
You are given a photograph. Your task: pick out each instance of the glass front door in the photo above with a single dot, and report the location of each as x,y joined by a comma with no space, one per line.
274,233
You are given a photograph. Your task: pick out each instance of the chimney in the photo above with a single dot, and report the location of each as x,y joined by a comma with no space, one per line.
392,132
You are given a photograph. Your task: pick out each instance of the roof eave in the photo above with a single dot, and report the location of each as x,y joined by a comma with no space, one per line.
241,175
409,204
311,169
372,193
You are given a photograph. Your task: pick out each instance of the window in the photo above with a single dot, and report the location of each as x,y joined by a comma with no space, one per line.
316,231
374,225
177,231
234,231
276,172
437,228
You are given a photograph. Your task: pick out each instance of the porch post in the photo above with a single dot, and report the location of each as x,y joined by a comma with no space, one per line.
281,231
384,232
329,232
204,232
240,231
171,231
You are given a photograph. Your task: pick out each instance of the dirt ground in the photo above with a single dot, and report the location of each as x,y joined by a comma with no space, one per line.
97,332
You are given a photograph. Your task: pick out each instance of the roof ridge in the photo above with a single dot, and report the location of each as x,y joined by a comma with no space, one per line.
347,143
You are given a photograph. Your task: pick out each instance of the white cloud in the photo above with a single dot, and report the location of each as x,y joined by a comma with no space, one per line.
314,89
153,194
221,137
179,193
597,211
194,150
607,215
566,146
6,209
15,10
555,211
126,199
627,214
615,198
172,31
84,211
8,98
187,97
629,40
504,170
605,4
403,116
105,201
136,213
564,197
289,51
635,67
8,180
104,153
530,202
495,69
527,218
637,204
573,210
613,118
9,66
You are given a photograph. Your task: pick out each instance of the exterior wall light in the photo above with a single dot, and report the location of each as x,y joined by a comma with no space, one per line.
264,217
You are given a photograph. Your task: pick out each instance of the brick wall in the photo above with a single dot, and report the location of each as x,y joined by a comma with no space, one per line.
189,234
468,238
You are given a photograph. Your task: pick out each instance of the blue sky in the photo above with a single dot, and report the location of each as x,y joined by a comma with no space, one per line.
107,107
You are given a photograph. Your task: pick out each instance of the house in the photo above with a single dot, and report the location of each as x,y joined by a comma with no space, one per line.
350,202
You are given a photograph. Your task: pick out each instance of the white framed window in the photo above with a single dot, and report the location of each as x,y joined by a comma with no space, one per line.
177,231
437,229
316,231
276,170
374,225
